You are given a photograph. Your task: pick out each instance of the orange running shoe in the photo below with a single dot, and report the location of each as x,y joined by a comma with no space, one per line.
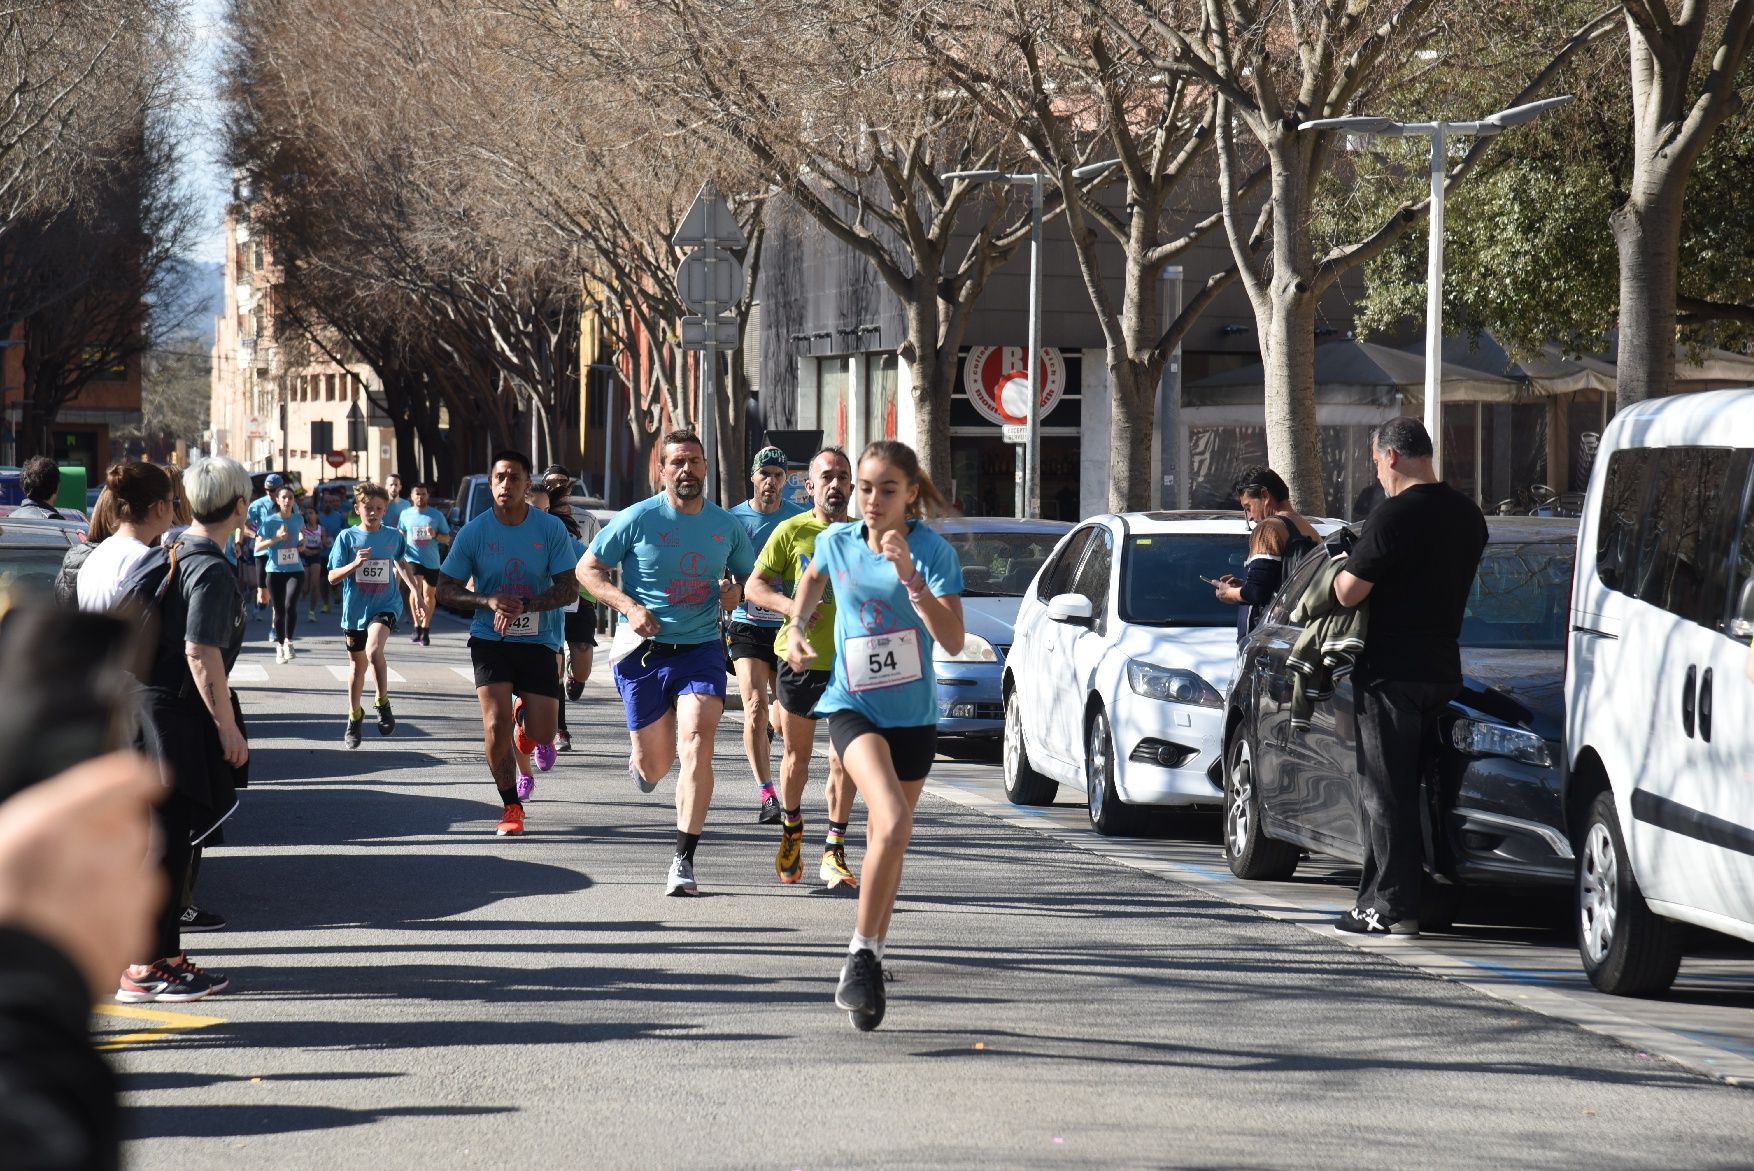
521,738
511,821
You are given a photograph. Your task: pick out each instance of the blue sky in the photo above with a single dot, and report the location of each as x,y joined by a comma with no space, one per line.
206,178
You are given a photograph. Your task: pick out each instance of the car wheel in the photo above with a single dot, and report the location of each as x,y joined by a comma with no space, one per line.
1023,785
1627,949
1247,848
1109,815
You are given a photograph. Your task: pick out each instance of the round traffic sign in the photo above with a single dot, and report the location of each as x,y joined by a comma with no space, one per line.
336,459
996,380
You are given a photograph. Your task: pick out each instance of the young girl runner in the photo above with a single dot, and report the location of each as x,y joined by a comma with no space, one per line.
277,543
897,589
311,541
364,558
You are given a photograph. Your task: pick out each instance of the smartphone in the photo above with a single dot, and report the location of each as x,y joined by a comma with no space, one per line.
1210,581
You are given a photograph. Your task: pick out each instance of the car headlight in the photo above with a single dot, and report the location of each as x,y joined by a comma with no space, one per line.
975,649
1171,685
1482,739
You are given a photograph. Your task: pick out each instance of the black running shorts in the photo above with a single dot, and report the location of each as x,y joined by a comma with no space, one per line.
356,638
800,691
748,641
528,666
912,749
581,626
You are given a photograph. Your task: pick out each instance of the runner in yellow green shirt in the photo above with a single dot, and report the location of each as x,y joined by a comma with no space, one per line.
782,562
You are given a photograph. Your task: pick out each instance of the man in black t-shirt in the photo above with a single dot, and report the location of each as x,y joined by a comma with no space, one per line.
1416,563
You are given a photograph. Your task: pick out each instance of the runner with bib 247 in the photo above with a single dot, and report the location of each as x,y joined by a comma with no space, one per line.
898,590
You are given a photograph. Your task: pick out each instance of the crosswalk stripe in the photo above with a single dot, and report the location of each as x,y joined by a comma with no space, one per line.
466,672
343,673
249,673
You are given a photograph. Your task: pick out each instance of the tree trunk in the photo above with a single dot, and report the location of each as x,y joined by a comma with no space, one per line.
932,385
1132,397
1286,325
1647,233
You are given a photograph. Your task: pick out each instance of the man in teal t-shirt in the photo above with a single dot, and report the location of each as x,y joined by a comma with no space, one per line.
674,551
512,565
751,635
427,531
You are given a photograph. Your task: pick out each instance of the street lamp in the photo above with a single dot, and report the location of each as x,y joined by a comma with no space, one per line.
1029,497
1438,133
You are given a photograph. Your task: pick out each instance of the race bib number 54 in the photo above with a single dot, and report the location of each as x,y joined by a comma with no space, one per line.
877,661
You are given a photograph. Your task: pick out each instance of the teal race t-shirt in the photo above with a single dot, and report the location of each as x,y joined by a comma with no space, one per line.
521,560
422,526
671,563
283,557
760,526
370,589
883,668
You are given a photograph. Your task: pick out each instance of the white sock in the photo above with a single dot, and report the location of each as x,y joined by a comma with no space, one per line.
862,943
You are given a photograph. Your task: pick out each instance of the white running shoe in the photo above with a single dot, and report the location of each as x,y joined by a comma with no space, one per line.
290,653
681,881
280,652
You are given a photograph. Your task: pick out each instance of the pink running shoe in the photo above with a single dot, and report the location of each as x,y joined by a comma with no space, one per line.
544,754
526,786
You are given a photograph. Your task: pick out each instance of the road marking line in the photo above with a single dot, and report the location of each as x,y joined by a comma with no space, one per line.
169,1023
249,673
342,674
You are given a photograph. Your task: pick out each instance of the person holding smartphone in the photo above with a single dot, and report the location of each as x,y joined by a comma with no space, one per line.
1279,537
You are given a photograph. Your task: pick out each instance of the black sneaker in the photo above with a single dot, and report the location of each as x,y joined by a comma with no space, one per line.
1360,921
195,919
351,737
770,812
386,719
861,990
426,637
574,689
562,740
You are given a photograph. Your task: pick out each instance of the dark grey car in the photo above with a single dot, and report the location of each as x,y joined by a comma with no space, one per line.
1491,802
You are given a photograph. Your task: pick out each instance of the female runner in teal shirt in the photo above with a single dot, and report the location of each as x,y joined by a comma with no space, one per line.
897,588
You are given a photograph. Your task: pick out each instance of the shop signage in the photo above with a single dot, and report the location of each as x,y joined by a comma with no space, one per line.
996,380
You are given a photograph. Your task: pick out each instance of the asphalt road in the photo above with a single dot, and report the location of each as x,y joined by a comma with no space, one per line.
410,991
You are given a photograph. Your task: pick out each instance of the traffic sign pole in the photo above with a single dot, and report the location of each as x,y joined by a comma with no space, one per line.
1032,416
710,282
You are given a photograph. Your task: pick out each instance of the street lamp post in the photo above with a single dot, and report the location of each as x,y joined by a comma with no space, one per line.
1029,494
1439,133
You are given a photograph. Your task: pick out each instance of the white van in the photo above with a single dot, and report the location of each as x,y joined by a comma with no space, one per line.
1659,704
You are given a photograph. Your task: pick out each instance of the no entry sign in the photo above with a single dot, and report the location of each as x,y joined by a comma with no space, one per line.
996,380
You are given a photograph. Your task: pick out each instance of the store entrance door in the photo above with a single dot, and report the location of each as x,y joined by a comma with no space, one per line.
984,479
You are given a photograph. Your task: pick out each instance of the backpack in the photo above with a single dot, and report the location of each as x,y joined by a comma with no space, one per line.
144,589
1296,549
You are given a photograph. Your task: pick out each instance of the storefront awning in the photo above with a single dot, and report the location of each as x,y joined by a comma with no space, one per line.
1549,373
1349,371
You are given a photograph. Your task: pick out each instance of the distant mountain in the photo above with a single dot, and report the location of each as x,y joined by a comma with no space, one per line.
194,297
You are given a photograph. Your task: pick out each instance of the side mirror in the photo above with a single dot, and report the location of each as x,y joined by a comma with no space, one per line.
1072,609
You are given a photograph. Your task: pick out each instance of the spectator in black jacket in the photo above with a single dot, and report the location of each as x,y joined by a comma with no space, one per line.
40,480
1279,537
78,890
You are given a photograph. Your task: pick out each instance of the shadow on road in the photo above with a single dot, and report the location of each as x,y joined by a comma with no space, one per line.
212,1121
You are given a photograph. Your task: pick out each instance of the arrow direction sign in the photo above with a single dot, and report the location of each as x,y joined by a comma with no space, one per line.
700,333
708,280
709,221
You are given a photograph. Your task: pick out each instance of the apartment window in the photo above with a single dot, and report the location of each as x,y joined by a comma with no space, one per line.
329,387
256,255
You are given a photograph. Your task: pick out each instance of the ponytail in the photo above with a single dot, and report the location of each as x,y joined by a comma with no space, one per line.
928,503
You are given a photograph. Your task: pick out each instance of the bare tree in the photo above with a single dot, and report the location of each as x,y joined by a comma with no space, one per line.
1687,81
1271,70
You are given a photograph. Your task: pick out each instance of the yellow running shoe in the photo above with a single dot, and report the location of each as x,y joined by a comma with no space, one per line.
789,861
835,871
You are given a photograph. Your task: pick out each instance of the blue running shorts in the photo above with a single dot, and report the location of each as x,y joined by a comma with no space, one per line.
653,675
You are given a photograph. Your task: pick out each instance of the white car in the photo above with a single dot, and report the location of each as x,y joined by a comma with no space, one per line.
1122,658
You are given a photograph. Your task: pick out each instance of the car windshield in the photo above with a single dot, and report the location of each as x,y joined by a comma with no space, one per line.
31,569
1160,578
1521,596
480,499
999,564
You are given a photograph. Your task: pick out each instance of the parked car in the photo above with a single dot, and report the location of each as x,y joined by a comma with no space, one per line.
1491,801
1000,557
68,514
1122,657
31,552
474,497
1659,708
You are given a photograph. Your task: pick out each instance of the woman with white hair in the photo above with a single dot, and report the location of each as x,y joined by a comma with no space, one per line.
201,631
